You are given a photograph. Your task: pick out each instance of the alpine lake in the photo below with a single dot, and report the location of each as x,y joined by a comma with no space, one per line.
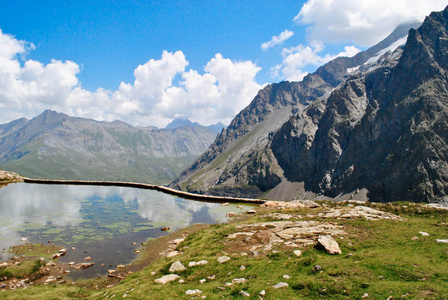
106,223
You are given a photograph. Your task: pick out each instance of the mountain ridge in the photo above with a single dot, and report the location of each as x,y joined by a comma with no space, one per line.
56,146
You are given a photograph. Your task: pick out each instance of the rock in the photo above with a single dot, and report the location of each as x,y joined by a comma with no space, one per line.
239,280
442,241
172,253
223,259
4,264
121,266
317,269
110,271
167,278
297,252
153,273
414,238
24,239
330,245
365,296
242,268
424,233
228,284
197,263
263,293
245,294
225,204
87,258
181,281
286,277
193,292
251,212
280,285
177,241
83,265
165,228
50,279
202,281
230,214
211,277
177,266
62,251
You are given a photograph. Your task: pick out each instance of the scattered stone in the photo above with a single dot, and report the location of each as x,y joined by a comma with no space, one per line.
5,264
165,228
153,273
251,212
424,233
136,251
414,238
358,212
230,214
280,285
223,259
197,263
121,266
202,281
50,279
24,239
239,280
442,241
62,251
228,284
330,245
225,204
87,258
192,292
234,235
83,266
245,294
317,269
177,266
71,263
365,296
177,241
286,277
110,271
211,277
297,252
172,253
167,278
263,293
242,268
181,281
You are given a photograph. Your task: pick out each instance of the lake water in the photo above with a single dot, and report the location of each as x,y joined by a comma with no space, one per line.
106,223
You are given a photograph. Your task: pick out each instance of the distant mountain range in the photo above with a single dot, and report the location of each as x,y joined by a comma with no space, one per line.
56,146
218,127
373,126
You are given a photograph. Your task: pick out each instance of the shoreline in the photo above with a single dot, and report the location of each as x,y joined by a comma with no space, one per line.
163,189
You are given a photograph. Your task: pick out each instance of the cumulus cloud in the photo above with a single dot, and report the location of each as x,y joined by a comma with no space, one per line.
28,87
361,23
296,59
277,40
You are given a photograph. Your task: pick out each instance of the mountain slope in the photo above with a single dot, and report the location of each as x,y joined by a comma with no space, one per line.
57,146
239,161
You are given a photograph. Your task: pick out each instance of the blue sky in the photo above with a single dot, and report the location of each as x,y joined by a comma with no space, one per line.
147,62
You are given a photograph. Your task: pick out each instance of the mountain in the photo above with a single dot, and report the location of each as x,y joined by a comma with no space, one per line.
370,126
176,123
56,146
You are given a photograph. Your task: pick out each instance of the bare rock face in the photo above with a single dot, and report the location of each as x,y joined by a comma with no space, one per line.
384,129
329,244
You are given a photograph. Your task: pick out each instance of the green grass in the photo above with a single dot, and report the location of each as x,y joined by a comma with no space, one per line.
379,258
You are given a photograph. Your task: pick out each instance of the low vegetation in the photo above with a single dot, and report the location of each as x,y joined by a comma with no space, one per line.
381,259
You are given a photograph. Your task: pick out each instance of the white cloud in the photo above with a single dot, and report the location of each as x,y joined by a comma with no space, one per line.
361,22
296,59
28,87
277,40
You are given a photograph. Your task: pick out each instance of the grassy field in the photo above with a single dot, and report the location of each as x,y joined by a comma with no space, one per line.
381,259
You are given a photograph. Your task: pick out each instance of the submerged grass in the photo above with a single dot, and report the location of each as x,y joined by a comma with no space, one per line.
380,258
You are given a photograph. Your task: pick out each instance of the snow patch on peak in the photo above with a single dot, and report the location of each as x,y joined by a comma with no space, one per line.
391,48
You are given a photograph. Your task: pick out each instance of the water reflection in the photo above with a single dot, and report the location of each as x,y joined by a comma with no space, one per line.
105,221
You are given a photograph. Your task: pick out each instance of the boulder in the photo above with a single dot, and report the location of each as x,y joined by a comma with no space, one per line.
167,278
329,244
83,265
280,285
223,259
177,267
